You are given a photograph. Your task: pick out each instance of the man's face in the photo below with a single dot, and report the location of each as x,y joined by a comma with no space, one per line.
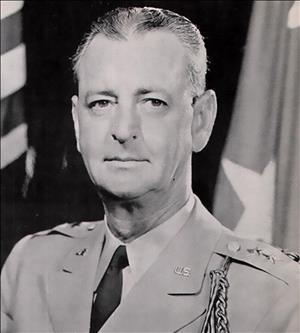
134,114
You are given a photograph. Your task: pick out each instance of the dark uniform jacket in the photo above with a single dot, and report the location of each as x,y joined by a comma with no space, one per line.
48,283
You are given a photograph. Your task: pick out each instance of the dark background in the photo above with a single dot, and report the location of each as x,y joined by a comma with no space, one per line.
60,190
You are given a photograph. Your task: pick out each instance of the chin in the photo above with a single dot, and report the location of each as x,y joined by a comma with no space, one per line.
125,195
123,191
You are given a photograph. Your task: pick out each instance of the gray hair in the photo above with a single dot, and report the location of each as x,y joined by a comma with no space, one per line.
119,23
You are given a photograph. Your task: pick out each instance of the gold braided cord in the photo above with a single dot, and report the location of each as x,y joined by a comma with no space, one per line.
209,318
216,316
221,305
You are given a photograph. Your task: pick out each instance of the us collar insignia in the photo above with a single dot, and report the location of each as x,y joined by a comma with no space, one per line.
183,271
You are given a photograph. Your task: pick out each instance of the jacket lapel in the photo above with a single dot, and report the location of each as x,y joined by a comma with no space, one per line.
70,287
175,290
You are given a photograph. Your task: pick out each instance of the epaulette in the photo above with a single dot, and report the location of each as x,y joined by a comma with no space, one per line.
74,229
258,254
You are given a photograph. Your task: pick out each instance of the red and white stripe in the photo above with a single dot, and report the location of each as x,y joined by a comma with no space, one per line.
13,79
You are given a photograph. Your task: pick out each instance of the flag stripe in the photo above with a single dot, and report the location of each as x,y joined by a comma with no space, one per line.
11,32
13,70
13,78
13,145
10,7
12,112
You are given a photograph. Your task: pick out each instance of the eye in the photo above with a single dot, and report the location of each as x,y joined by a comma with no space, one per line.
154,105
100,106
102,103
156,102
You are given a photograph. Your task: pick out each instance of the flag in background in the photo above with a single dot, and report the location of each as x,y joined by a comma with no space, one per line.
13,78
257,192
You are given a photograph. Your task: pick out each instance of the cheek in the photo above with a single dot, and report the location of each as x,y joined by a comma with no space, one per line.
181,143
169,139
91,137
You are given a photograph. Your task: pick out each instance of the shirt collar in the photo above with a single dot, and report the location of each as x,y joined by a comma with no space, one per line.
144,250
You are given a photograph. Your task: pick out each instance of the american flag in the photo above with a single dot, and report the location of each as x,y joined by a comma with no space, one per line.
13,79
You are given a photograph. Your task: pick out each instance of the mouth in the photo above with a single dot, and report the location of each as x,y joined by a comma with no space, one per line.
125,163
125,159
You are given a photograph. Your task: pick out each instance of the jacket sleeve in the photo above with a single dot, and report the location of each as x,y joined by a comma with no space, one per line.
9,279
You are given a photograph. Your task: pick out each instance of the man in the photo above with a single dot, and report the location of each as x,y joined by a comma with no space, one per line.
159,262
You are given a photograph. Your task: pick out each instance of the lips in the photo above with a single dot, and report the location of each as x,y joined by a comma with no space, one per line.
125,159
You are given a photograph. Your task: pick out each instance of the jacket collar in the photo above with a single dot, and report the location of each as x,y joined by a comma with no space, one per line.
173,292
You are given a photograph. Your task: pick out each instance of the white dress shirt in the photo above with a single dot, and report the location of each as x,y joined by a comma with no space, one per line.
143,251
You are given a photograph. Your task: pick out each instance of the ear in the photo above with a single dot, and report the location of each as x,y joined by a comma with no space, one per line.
74,100
205,110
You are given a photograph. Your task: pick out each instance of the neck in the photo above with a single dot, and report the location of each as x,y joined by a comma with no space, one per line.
130,218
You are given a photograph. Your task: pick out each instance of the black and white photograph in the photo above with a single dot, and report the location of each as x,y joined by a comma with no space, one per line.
150,171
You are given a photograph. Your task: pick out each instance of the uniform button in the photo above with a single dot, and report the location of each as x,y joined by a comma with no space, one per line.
91,227
233,246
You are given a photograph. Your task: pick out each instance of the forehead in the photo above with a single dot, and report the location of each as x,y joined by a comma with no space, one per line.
151,57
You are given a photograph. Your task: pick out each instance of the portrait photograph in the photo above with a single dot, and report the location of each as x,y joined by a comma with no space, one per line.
150,166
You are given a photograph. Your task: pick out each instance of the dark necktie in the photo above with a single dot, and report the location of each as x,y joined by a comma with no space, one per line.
109,290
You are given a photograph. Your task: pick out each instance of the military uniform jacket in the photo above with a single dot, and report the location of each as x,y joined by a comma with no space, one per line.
48,282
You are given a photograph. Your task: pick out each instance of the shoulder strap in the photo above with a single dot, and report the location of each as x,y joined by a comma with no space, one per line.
260,255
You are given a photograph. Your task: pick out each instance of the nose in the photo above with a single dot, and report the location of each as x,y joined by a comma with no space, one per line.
125,126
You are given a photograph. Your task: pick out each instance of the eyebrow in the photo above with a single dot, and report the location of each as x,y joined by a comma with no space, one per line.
138,92
144,91
109,93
